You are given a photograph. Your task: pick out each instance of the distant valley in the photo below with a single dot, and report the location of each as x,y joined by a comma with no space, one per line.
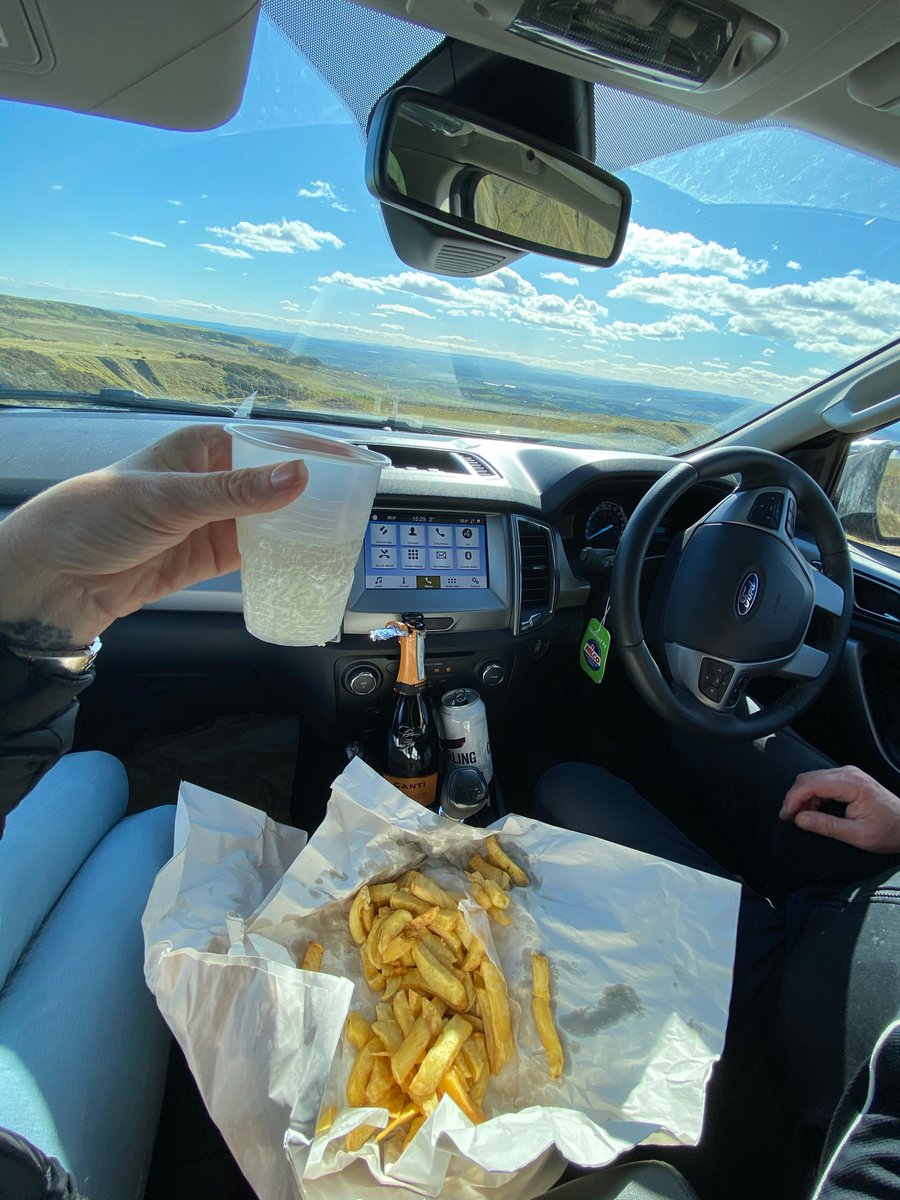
58,347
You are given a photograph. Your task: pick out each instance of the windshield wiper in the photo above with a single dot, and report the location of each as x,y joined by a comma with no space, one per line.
128,398
111,398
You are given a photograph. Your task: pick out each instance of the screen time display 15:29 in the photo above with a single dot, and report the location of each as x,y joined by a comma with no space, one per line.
426,551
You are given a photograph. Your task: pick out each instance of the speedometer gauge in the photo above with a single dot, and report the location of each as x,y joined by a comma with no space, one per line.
605,525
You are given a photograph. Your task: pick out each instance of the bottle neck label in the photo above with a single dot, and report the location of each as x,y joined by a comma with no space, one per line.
411,676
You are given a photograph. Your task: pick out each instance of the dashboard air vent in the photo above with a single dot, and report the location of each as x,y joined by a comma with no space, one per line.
537,574
420,458
478,465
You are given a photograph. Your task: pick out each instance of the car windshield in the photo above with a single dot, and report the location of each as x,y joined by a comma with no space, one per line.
249,268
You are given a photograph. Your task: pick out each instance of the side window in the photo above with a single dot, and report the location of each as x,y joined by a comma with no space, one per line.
868,495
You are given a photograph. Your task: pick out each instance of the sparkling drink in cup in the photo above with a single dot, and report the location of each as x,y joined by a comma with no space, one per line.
297,563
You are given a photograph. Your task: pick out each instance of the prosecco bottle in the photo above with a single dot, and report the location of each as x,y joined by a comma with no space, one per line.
413,745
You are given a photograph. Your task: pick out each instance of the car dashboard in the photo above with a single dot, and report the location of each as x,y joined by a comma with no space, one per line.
504,545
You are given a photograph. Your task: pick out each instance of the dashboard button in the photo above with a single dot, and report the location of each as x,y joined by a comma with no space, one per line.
468,535
440,535
362,681
492,674
382,533
412,535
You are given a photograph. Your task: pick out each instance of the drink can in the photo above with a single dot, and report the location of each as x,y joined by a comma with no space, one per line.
464,732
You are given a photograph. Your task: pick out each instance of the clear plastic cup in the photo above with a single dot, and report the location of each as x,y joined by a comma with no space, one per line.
297,563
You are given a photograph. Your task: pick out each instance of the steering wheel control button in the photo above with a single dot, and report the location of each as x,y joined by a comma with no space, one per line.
790,521
738,689
767,509
715,676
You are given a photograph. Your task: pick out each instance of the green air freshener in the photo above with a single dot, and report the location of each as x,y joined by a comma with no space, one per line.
594,650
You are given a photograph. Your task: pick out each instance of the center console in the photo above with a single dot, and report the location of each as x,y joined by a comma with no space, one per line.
495,590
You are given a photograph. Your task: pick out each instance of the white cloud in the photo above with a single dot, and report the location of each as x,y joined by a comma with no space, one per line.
134,237
273,237
209,268
671,329
559,277
455,339
345,279
845,315
505,295
393,328
291,306
404,310
768,352
658,249
742,382
182,221
56,187
320,189
177,203
792,265
225,251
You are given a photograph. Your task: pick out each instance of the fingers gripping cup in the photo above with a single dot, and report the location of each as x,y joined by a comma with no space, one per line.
297,563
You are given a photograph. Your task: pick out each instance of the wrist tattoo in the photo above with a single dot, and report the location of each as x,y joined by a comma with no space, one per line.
30,634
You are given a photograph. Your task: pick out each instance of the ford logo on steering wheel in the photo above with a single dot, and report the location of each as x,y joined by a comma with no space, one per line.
747,594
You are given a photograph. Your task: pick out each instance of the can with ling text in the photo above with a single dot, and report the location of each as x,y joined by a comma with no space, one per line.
464,731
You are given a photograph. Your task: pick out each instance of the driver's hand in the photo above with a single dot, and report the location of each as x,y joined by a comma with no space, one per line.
101,545
872,817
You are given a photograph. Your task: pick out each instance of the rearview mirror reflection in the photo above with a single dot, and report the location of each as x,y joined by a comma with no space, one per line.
435,160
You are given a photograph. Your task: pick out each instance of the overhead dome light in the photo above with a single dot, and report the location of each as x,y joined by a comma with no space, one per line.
675,42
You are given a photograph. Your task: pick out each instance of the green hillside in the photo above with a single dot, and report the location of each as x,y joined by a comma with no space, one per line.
54,346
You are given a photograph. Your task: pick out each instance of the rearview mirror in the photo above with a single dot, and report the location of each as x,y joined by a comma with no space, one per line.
428,157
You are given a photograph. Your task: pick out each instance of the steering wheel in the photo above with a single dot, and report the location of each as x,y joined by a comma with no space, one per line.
735,600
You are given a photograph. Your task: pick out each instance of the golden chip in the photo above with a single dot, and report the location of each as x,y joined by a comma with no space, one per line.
312,959
489,871
498,856
420,954
439,1059
543,1014
361,901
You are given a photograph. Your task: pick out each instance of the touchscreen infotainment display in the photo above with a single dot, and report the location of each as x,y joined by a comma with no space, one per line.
426,551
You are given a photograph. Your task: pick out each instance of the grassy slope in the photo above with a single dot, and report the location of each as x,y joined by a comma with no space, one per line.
71,347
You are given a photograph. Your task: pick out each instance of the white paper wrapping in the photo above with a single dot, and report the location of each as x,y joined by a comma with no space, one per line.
641,952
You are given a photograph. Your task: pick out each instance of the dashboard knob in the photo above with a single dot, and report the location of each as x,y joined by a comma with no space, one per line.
362,681
492,674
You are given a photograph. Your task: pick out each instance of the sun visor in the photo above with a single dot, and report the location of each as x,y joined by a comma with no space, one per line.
877,82
169,64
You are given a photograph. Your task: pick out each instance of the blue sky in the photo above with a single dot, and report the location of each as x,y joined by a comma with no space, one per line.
754,266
